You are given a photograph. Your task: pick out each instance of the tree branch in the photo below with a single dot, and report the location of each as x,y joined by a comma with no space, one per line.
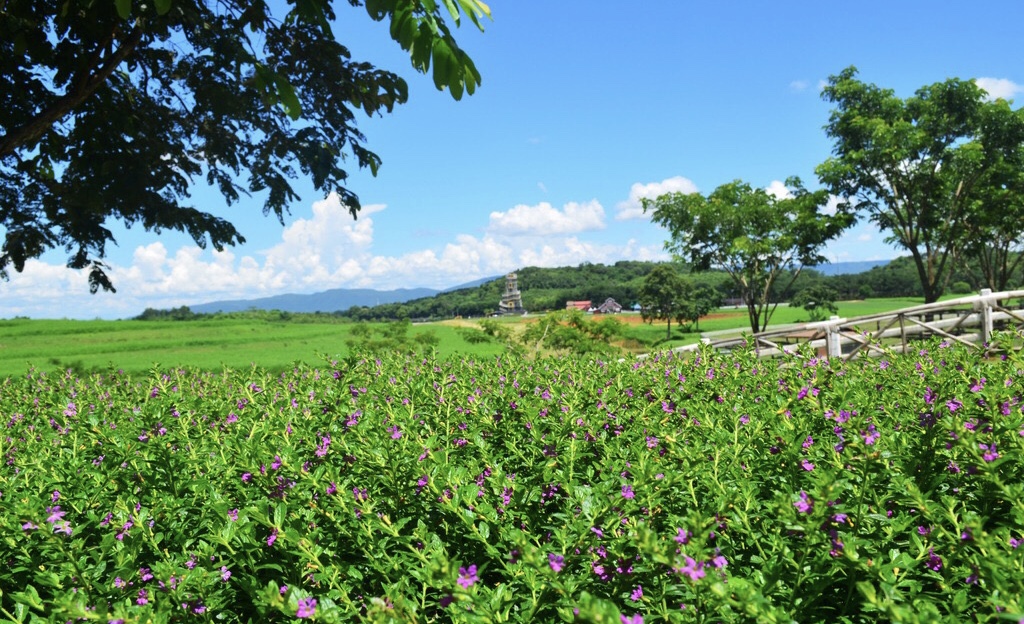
78,91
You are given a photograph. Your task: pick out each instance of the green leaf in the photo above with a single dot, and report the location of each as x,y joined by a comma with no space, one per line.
124,8
163,6
288,98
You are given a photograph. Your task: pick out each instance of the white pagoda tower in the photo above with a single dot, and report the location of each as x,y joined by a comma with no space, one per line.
511,299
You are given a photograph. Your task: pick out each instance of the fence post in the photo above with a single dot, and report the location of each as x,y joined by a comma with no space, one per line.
986,315
833,346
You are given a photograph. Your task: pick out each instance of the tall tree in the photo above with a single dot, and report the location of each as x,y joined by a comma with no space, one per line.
111,109
663,296
915,165
994,229
752,235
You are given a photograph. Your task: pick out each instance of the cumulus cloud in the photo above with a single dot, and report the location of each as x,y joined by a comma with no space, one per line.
999,87
544,219
778,190
633,209
321,250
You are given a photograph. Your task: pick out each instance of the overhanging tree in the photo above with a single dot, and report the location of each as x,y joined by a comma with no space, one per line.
917,166
751,234
110,110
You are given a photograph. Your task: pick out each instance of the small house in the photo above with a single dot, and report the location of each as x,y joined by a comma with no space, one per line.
610,306
583,306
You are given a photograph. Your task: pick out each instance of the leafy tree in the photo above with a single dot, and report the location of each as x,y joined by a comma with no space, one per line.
915,165
816,300
663,296
751,234
995,229
110,110
701,301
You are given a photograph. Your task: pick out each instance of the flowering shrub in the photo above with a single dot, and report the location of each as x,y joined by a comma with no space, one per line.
715,488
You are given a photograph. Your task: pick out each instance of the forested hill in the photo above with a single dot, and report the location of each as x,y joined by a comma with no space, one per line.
542,289
549,289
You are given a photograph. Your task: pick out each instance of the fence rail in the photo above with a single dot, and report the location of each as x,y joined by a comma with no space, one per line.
967,320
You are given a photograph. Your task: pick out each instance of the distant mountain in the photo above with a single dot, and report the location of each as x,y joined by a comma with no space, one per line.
326,301
337,299
474,283
848,268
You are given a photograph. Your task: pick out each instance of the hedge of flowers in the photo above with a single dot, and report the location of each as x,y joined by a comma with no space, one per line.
715,488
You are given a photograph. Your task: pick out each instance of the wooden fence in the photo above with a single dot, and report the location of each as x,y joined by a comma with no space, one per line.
968,320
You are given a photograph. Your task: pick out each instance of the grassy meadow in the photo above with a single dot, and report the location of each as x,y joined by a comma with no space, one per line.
279,343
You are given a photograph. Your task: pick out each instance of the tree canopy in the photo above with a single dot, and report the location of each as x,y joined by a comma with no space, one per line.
751,234
918,167
111,110
663,297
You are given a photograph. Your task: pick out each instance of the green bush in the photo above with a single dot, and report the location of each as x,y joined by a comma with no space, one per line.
404,488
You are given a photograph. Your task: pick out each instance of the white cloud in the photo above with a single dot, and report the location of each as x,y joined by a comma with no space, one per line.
798,85
544,220
322,250
633,209
863,238
999,87
778,189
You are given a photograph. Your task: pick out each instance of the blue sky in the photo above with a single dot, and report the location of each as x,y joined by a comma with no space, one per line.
585,107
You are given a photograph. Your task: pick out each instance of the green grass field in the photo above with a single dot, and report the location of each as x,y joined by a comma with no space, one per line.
207,344
215,343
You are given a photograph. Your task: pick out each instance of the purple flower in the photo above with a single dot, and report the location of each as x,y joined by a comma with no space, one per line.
55,514
467,576
246,476
990,454
870,436
557,562
979,385
627,491
28,526
632,619
954,405
396,434
331,488
804,505
233,515
808,466
808,442
637,594
143,597
55,496
145,574
691,569
272,537
923,530
682,536
225,574
934,562
307,607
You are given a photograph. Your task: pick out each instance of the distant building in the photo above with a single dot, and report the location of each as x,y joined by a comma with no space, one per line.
610,306
578,305
511,299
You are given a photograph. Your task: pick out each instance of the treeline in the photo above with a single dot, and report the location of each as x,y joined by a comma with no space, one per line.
545,289
549,289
